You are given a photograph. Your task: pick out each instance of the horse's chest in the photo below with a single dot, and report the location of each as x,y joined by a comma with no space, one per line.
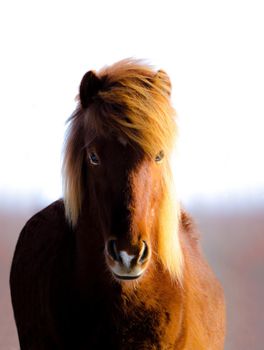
145,329
112,320
102,327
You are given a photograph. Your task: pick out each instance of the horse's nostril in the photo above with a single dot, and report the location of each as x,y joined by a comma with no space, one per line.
144,253
112,250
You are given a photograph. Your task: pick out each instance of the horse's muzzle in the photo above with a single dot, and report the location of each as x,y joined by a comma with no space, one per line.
124,264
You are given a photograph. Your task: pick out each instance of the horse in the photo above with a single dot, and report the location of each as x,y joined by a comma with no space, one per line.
116,263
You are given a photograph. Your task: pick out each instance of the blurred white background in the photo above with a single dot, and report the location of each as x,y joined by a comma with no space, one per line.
214,54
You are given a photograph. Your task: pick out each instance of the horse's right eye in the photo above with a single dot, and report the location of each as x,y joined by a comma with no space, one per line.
159,157
94,159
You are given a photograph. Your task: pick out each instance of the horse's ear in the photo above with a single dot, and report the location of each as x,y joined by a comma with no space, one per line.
89,87
162,80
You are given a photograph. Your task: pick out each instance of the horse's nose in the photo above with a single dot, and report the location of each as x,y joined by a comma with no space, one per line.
112,250
143,253
123,257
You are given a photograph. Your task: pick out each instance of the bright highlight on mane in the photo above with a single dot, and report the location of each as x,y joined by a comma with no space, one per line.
169,247
131,99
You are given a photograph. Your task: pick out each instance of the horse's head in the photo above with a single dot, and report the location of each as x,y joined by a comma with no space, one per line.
125,186
117,156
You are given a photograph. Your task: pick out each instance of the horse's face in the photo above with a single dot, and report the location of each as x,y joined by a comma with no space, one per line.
125,186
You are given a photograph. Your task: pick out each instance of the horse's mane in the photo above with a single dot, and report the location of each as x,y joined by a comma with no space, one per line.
131,99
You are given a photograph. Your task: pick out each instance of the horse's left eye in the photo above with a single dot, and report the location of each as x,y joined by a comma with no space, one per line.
94,159
159,156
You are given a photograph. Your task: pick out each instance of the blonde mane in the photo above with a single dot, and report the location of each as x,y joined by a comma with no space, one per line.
133,100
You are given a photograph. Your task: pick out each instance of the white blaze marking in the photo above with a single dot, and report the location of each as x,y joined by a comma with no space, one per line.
126,258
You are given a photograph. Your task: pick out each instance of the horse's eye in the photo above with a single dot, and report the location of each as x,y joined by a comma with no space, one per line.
159,156
94,159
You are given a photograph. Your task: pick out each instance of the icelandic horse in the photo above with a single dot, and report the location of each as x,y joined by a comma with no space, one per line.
116,263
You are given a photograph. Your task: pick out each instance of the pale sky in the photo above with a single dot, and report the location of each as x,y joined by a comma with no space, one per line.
212,50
